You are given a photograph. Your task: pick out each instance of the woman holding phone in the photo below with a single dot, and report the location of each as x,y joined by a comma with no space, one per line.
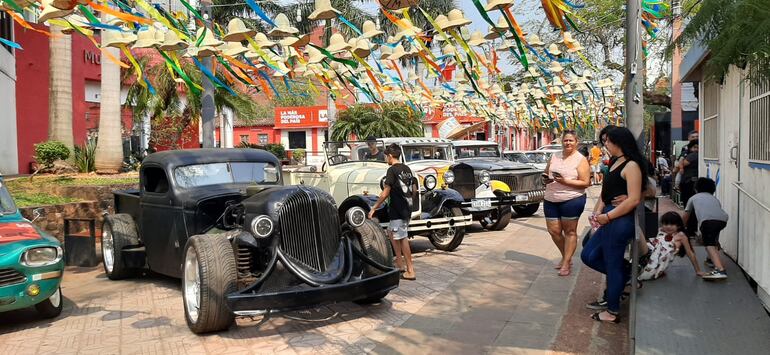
567,176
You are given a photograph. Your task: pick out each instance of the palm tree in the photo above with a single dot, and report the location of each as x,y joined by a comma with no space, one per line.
109,145
392,120
60,99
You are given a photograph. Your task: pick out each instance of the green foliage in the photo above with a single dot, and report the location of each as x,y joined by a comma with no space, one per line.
737,32
392,120
40,199
299,155
275,148
85,156
47,153
285,98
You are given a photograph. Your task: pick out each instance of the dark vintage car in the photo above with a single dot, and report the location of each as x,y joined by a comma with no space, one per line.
242,243
481,172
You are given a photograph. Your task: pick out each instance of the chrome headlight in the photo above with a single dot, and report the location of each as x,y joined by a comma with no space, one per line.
430,182
449,177
43,256
262,226
484,177
355,216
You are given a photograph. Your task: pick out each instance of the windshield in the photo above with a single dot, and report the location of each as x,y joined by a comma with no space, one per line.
485,151
426,152
6,202
550,147
517,157
225,173
538,158
353,151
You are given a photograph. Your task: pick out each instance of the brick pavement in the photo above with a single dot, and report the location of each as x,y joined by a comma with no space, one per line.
498,293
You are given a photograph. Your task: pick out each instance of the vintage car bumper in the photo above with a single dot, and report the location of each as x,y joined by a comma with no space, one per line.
483,204
17,295
306,296
421,225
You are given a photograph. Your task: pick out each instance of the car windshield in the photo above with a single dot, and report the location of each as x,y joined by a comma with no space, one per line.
426,152
550,147
6,202
225,173
538,158
482,151
354,151
517,157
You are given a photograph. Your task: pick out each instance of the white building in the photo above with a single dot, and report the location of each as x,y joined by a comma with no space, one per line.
734,119
9,160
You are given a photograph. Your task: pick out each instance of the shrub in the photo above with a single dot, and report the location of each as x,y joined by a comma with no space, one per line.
299,155
47,153
85,156
276,149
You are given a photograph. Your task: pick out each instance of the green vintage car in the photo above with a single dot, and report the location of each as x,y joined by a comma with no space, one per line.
31,264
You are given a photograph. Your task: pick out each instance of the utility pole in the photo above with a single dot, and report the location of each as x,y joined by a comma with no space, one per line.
634,112
208,109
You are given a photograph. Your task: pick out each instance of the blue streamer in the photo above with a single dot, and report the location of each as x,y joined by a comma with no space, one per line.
352,26
10,43
269,82
258,10
533,51
149,86
450,88
107,27
573,5
211,77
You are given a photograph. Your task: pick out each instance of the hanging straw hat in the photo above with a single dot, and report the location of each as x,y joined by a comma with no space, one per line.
534,40
146,38
385,52
370,30
314,55
237,31
51,12
456,19
441,22
234,49
411,30
605,83
477,39
74,19
505,45
554,49
501,26
498,5
262,40
492,34
337,43
117,39
323,11
587,74
171,42
532,72
283,27
362,48
209,44
448,50
574,46
397,53
297,42
555,67
289,52
65,4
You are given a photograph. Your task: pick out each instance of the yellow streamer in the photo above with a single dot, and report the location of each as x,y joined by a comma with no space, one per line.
158,17
262,53
137,68
175,58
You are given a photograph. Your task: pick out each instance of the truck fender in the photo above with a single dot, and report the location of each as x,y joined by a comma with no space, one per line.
433,201
499,186
366,202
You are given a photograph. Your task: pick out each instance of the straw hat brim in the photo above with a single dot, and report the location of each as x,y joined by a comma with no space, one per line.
477,42
371,34
239,36
492,35
497,5
145,43
173,46
282,32
324,14
234,52
52,13
576,48
266,44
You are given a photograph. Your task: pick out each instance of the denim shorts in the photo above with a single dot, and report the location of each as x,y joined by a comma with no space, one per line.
565,210
399,228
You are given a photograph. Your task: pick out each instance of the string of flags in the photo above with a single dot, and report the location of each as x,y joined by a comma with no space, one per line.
556,88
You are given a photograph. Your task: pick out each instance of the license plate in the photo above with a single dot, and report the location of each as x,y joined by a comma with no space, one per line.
481,203
521,198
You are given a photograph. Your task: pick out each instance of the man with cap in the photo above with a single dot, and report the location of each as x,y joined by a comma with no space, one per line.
374,152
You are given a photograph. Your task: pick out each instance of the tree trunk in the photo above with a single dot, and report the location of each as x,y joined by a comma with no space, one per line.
60,84
109,148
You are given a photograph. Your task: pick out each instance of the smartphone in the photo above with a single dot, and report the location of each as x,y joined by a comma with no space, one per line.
555,174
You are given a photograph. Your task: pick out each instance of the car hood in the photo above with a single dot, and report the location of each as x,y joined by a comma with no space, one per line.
17,236
493,164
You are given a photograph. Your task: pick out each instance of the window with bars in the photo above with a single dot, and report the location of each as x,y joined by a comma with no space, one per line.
709,147
6,30
759,122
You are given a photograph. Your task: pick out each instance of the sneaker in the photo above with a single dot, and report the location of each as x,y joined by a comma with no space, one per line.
597,305
715,275
709,263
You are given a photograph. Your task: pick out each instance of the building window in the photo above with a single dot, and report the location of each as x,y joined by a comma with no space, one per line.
6,29
244,139
710,144
297,140
759,122
263,139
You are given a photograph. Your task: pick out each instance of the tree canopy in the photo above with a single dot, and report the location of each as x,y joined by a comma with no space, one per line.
364,120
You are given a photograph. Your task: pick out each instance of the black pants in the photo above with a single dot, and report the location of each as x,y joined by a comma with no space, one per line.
710,230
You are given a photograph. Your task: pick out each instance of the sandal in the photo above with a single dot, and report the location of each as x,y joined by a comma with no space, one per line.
565,271
411,277
596,317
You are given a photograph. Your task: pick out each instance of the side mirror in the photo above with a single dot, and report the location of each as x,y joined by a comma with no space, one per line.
37,213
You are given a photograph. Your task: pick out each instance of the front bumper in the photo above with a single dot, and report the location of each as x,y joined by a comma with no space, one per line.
484,204
422,225
15,296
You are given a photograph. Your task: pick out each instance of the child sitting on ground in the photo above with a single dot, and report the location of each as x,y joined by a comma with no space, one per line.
712,220
658,252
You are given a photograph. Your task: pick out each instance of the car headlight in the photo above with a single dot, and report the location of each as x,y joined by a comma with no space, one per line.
43,256
262,226
382,183
430,182
355,216
484,177
449,177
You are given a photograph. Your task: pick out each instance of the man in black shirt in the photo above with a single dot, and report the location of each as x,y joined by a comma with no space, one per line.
374,152
401,187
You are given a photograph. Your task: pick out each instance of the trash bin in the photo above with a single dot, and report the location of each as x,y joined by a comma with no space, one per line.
79,248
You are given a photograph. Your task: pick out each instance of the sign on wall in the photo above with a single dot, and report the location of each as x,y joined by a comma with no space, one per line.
301,117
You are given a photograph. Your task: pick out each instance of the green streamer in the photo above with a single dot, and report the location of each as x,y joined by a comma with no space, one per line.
181,73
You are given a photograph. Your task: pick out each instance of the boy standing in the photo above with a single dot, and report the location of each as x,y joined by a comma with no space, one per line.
712,218
400,186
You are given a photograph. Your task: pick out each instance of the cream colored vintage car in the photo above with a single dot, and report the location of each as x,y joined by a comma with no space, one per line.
355,183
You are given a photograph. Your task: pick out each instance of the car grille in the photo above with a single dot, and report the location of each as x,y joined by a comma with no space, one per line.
520,182
310,229
465,181
11,277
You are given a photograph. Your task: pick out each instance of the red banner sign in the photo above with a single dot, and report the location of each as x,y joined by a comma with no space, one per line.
301,117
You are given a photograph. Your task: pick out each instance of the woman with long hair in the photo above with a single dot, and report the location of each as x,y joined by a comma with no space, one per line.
604,251
567,177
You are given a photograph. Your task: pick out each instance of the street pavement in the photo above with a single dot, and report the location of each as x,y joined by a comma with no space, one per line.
497,293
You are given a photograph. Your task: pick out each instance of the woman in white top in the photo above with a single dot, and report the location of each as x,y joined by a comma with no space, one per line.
567,176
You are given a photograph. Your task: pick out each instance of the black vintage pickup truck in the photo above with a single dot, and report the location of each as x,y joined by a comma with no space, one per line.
242,243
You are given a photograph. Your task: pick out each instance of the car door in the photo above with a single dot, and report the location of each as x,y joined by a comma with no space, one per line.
162,224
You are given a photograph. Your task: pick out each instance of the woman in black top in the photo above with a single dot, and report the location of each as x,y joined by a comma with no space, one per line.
604,251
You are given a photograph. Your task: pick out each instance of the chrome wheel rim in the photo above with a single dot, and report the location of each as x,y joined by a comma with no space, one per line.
192,285
444,236
108,247
55,299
